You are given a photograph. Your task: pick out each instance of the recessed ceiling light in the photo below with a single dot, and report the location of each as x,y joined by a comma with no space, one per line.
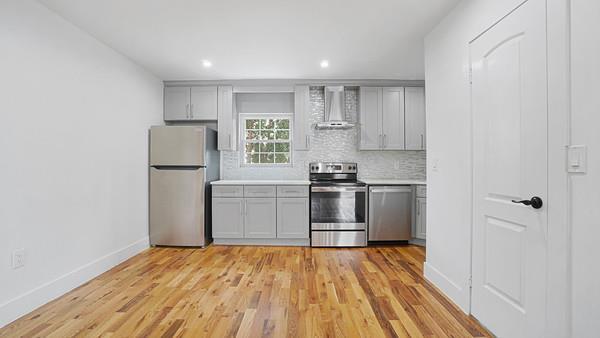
324,64
206,63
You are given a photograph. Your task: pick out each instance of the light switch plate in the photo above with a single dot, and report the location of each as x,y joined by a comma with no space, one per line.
577,159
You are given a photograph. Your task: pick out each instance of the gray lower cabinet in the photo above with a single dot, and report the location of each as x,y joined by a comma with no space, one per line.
228,217
421,218
261,212
260,219
292,217
420,228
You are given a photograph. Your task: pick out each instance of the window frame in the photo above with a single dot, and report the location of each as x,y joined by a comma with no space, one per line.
261,116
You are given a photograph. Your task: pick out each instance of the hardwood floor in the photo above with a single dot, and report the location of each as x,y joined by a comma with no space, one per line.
255,292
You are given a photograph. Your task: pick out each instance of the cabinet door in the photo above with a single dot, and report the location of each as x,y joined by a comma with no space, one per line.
292,218
226,119
203,103
392,126
415,118
301,114
228,217
260,220
421,218
370,118
177,103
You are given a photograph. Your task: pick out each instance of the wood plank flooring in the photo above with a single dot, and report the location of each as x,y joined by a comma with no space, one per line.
249,291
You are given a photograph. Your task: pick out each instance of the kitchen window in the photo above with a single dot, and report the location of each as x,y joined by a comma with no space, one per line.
266,140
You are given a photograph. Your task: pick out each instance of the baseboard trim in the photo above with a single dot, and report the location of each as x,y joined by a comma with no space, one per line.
260,241
448,287
31,300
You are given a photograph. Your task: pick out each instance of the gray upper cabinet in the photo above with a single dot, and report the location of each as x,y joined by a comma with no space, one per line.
415,118
301,118
228,217
190,103
203,103
392,118
370,118
226,119
381,118
292,217
392,125
177,103
261,218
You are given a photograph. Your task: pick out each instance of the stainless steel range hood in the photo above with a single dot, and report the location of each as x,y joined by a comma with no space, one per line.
335,110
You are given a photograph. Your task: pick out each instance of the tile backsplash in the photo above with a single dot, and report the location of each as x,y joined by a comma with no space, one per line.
333,145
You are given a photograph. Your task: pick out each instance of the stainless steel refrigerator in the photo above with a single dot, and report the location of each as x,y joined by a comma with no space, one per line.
183,162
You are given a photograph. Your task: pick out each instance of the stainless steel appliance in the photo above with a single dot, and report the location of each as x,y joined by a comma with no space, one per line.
390,215
338,205
183,162
335,109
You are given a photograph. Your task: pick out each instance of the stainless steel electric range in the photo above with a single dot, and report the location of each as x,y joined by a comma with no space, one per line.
338,205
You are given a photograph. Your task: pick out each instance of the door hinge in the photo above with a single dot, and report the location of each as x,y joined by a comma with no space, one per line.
470,75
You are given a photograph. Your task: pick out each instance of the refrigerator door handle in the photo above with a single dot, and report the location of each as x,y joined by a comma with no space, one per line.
176,167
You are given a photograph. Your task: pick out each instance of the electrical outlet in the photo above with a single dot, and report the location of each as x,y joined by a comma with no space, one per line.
397,164
435,165
18,259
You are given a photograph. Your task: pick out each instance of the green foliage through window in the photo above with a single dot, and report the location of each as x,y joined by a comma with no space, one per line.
266,141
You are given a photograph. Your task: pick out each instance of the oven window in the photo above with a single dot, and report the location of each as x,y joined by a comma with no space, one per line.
338,207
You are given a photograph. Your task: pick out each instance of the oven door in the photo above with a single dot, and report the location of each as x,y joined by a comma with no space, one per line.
338,207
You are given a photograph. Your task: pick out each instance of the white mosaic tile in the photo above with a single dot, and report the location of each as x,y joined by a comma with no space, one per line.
333,145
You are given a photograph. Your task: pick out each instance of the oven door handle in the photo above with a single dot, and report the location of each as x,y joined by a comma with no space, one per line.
338,189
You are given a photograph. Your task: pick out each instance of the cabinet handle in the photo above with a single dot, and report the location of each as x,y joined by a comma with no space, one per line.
307,142
384,140
379,144
187,110
229,140
191,110
422,142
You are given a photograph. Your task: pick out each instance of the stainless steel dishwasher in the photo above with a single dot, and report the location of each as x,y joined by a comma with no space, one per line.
390,210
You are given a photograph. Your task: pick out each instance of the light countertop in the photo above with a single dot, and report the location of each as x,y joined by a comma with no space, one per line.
261,182
389,181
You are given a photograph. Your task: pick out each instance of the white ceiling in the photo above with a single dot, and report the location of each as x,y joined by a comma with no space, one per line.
257,39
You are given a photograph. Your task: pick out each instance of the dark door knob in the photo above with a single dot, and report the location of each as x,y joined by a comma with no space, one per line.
535,202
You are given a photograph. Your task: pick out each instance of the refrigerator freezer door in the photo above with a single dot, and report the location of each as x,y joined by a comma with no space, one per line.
177,146
390,213
177,207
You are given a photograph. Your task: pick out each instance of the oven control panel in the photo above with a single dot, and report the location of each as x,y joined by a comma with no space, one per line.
333,168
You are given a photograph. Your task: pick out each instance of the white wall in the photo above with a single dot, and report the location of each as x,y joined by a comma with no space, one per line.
585,121
73,145
449,144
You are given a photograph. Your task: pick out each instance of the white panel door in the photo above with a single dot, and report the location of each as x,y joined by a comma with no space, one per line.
370,118
261,218
177,103
203,103
510,148
228,217
392,123
415,118
292,218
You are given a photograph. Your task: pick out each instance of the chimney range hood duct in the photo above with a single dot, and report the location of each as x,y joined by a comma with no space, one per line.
335,110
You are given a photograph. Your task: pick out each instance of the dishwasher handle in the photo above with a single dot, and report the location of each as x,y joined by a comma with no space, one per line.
389,189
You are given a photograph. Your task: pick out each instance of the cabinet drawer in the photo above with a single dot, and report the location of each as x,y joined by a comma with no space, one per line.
421,191
292,191
259,191
228,191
